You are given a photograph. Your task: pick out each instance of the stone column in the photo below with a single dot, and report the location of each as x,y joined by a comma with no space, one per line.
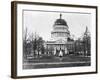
55,50
66,52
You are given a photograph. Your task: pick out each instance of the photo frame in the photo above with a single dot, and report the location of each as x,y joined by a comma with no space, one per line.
50,39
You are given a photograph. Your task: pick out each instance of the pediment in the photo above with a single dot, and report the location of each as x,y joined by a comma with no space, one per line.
61,41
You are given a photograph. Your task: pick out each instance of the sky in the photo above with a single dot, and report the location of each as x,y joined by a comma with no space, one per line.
42,22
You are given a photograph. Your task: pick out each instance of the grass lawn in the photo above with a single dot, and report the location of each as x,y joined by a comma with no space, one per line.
54,62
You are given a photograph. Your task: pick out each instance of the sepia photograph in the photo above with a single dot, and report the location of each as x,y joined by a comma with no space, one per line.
53,39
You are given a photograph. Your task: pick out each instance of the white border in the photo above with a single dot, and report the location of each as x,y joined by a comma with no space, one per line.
21,72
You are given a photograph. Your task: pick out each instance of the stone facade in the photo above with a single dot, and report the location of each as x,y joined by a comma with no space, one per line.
59,43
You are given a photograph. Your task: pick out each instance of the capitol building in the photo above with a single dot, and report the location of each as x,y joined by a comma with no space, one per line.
60,43
61,46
